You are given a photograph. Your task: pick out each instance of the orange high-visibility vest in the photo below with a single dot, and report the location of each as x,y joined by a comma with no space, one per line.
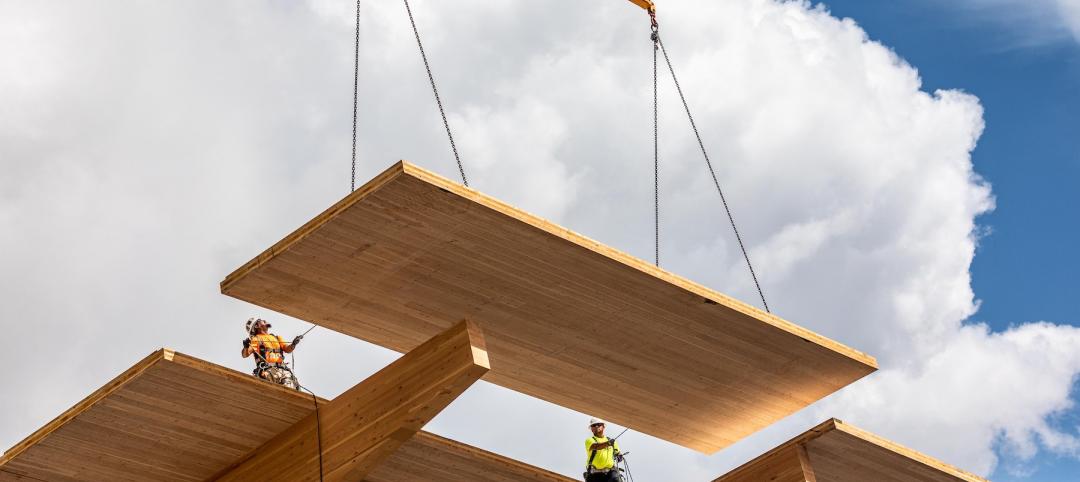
269,346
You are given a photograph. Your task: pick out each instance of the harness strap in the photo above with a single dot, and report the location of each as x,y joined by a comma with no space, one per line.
592,456
264,350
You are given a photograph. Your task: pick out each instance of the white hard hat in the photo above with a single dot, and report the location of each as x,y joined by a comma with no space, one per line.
594,421
250,325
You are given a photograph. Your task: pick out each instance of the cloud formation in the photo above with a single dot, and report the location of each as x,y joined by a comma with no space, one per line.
1035,22
149,149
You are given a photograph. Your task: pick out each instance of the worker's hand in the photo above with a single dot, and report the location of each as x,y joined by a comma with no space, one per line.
247,343
296,341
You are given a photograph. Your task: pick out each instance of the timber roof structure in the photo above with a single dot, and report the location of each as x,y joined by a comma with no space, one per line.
835,451
173,417
409,253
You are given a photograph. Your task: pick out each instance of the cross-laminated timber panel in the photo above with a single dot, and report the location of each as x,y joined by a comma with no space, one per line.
838,452
430,457
172,417
569,320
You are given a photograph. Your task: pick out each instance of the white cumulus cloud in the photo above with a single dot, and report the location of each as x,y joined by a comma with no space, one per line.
148,149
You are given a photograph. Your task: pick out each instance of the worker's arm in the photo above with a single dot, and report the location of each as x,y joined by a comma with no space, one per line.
590,445
249,347
291,346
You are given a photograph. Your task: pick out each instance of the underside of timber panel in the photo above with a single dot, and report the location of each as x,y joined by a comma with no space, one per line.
405,255
434,458
172,417
839,452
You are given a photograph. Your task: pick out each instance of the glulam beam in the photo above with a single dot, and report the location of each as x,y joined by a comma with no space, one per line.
176,418
365,425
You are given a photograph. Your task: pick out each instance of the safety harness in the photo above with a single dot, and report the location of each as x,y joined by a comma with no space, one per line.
592,456
263,362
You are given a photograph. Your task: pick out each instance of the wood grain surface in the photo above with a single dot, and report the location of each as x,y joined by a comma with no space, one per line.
172,417
835,451
567,319
434,458
365,425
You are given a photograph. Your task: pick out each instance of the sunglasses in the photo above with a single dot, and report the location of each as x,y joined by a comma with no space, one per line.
596,425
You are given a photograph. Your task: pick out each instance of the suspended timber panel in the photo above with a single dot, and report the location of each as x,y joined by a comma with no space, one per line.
838,452
172,417
567,319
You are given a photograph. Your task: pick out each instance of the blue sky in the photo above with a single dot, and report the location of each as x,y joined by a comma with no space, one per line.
1025,269
1026,73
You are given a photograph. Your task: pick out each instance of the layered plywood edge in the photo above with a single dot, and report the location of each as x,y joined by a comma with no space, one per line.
568,320
172,417
835,451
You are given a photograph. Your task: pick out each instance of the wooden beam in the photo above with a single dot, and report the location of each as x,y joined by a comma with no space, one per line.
366,424
176,418
569,320
804,463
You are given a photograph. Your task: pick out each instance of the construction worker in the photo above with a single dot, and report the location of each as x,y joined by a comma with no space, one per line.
602,454
270,353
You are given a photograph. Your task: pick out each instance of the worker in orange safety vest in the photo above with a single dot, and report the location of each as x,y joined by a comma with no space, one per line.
270,353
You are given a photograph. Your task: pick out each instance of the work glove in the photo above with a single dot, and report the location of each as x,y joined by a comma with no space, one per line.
296,341
247,342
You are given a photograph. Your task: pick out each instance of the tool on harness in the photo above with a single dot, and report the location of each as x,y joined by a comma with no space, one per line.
278,373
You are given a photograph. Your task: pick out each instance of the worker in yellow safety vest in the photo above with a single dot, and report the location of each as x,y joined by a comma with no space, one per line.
602,454
270,353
